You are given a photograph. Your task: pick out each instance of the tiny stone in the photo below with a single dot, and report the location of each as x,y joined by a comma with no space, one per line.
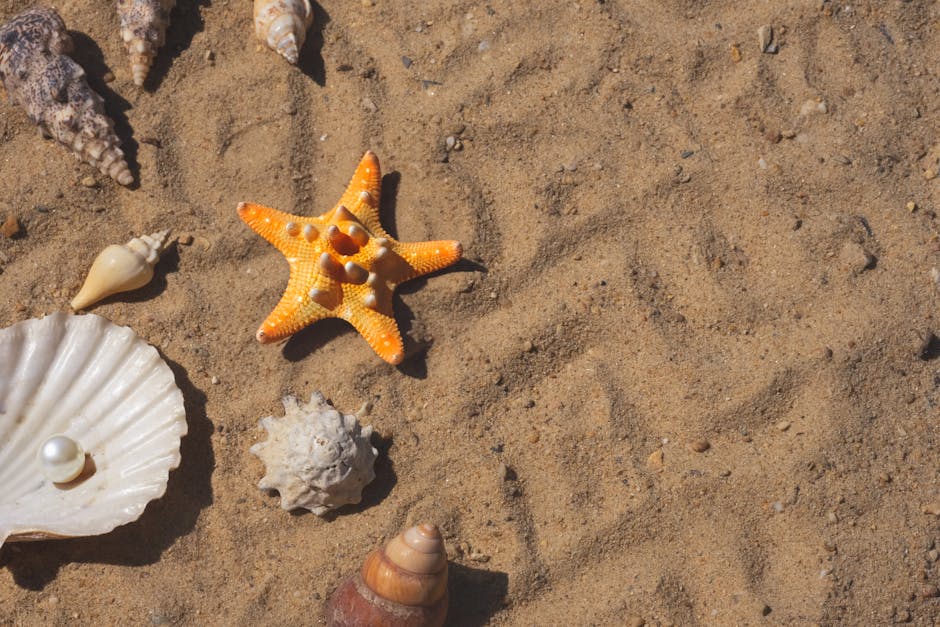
687,153
10,227
788,133
476,556
209,56
484,46
735,53
699,446
932,508
406,61
832,517
765,35
655,460
685,178
89,181
450,142
108,77
911,206
778,507
368,3
214,380
528,346
783,425
724,473
185,239
933,555
930,174
369,105
635,621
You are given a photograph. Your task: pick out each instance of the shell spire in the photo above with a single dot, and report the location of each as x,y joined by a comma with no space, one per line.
403,584
282,25
143,30
121,268
39,76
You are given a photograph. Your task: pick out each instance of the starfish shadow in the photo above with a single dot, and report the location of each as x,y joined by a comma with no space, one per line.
310,60
88,55
312,338
389,204
189,491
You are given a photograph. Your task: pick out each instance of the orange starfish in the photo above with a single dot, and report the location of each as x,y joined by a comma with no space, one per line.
344,265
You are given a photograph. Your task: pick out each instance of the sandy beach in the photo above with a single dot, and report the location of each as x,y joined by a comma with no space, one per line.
684,374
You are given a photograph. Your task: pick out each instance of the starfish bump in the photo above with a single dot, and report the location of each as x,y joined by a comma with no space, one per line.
344,265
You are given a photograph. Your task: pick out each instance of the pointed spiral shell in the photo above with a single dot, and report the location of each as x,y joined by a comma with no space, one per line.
282,25
403,584
143,30
51,87
121,268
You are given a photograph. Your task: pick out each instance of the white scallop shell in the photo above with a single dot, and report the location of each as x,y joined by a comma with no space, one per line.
103,386
315,457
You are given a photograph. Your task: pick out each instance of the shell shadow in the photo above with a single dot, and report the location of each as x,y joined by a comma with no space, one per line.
475,595
89,56
310,60
185,22
189,491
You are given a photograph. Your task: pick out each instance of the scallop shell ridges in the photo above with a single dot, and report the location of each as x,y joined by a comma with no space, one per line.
105,387
315,457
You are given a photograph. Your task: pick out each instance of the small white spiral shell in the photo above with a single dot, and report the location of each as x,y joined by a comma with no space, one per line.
121,268
282,25
143,31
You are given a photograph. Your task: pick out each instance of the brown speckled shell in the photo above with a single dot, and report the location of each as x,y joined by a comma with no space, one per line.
51,87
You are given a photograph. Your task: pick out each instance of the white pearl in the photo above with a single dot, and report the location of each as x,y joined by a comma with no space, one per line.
62,458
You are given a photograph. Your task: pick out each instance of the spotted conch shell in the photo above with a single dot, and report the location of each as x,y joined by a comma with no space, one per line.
121,268
39,76
143,29
282,25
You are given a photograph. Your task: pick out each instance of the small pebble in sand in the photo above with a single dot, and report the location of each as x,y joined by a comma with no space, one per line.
765,36
933,555
635,621
108,77
89,182
10,227
214,380
368,3
911,206
655,460
932,508
209,56
476,556
699,446
930,174
783,425
778,507
735,53
813,106
185,239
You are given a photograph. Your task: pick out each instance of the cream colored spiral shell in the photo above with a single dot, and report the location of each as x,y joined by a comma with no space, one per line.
282,25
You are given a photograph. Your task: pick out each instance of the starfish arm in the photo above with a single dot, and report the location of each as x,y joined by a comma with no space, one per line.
271,224
368,178
422,258
380,331
296,308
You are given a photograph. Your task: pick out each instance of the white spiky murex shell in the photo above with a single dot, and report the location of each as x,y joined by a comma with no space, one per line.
103,386
282,25
121,268
315,457
143,31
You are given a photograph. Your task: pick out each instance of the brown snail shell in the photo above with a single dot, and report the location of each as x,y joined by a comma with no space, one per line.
403,584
